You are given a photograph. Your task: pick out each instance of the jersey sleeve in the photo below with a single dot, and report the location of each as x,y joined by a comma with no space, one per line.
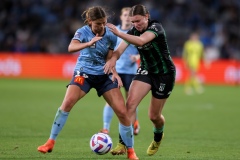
156,28
79,35
130,31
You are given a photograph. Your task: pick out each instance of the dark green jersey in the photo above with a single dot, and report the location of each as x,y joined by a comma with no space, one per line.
155,55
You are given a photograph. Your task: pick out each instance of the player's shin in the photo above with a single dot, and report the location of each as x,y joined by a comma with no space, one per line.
59,122
126,133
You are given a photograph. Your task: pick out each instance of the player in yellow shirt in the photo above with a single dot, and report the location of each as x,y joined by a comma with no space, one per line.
193,52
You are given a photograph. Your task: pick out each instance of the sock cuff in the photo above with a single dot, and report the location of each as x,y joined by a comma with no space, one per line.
107,105
62,112
125,127
158,130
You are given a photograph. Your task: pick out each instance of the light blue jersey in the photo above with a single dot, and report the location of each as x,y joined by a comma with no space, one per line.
92,59
124,65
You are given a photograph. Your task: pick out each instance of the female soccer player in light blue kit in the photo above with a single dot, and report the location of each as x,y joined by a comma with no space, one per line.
95,43
126,67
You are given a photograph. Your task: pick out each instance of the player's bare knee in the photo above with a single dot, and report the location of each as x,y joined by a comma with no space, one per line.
131,105
121,114
154,118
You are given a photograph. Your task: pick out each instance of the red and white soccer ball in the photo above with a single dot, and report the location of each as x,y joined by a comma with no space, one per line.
101,143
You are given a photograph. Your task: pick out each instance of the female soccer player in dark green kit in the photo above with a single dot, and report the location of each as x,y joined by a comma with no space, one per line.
156,71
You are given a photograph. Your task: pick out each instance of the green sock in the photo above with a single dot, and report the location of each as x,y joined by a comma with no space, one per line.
158,133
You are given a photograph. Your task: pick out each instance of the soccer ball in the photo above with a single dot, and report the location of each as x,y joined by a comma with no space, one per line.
100,143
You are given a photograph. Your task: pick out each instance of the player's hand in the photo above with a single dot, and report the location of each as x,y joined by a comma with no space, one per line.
110,64
94,40
119,80
113,29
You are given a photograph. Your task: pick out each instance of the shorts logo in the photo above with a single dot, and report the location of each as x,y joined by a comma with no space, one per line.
162,87
79,80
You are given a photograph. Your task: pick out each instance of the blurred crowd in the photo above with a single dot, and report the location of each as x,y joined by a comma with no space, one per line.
48,25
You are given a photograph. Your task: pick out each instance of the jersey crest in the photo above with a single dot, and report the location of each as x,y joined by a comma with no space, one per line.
153,27
77,35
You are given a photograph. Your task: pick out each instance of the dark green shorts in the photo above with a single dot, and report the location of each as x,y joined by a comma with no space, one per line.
162,85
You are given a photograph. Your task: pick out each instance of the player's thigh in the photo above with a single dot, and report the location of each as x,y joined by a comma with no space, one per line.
73,94
76,89
138,90
115,99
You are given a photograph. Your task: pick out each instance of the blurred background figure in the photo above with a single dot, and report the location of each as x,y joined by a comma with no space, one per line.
193,52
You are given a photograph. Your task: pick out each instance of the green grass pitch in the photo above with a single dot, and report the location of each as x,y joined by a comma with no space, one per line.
198,127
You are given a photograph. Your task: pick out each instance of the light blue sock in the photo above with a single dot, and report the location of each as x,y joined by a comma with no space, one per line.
137,113
59,121
126,133
107,117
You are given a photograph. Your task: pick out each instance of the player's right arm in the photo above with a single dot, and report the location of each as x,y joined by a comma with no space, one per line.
75,45
120,49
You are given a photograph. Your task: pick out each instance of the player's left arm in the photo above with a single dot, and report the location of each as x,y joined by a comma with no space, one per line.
76,45
136,40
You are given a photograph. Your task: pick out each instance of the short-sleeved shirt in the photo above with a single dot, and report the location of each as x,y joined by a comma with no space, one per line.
155,55
88,72
92,59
